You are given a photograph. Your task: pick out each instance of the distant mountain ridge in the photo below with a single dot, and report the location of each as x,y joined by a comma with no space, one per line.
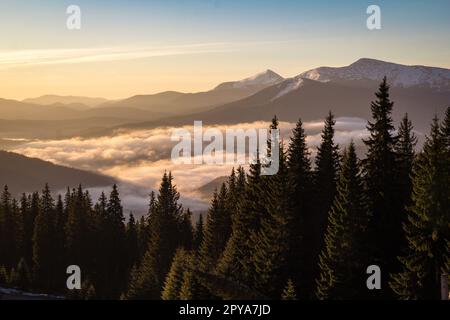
50,99
261,80
24,174
311,94
399,75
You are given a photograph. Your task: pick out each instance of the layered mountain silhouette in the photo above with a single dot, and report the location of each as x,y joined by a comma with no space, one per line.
24,174
419,91
182,103
66,100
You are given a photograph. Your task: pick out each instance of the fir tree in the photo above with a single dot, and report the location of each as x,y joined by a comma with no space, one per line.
174,279
289,291
199,232
236,262
76,229
218,225
427,225
8,228
116,247
325,179
21,276
142,238
270,244
132,248
404,148
148,280
29,208
231,263
186,232
44,243
382,188
342,260
300,195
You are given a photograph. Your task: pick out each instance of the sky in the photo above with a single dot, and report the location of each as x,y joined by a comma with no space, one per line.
140,47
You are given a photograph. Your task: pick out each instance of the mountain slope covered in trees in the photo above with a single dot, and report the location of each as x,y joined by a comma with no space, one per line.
306,232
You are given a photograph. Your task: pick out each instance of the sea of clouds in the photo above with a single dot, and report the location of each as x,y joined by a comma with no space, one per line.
139,158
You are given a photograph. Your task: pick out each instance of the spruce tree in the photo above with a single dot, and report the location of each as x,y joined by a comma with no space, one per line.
148,280
381,183
29,208
174,279
142,238
342,261
300,195
199,232
8,225
185,230
236,262
44,243
325,178
76,229
132,248
427,225
116,247
231,263
270,244
218,225
289,291
405,151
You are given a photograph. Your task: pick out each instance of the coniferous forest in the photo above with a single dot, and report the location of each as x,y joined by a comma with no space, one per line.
308,232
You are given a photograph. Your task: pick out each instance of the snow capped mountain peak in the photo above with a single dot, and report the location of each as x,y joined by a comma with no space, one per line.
397,74
263,79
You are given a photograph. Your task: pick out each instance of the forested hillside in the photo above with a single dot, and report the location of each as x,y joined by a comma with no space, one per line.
307,232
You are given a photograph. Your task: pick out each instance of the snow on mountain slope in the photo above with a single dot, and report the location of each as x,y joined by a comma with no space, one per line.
288,86
263,79
397,74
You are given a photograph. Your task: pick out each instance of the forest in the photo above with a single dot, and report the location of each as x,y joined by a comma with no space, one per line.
307,232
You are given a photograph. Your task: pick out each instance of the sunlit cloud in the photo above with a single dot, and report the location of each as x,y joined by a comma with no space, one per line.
37,57
139,158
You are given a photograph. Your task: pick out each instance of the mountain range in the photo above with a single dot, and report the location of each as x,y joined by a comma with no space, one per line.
421,91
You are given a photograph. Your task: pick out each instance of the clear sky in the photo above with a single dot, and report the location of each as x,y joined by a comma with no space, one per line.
135,47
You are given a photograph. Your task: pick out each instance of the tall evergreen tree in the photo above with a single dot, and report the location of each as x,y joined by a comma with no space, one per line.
300,195
174,279
185,230
217,230
342,261
77,229
199,233
132,246
44,243
142,238
325,179
270,243
427,226
116,249
382,188
8,244
231,262
236,262
405,150
29,208
148,280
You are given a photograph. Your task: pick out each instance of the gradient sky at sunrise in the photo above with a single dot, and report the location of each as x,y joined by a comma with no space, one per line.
137,47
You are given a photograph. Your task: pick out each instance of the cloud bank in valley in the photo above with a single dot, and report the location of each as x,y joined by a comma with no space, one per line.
139,158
